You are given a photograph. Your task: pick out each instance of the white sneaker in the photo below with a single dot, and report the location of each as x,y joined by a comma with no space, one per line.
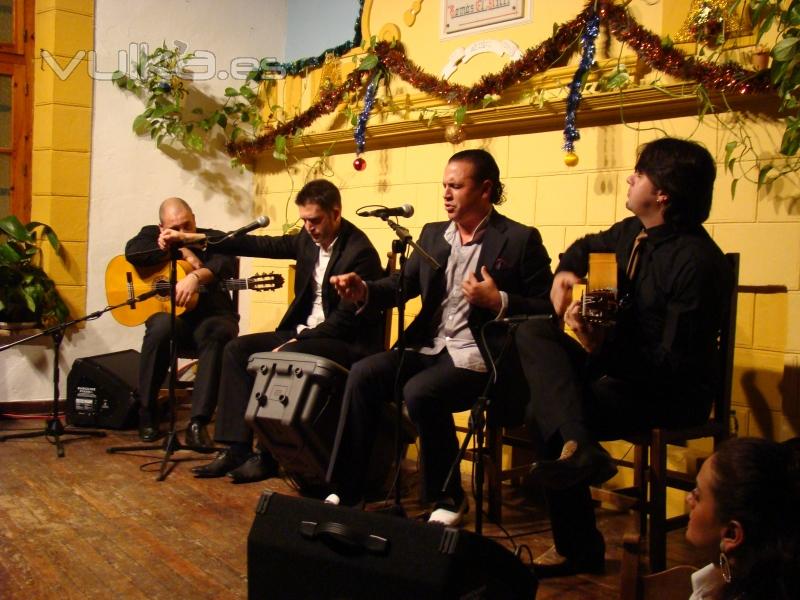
332,499
447,517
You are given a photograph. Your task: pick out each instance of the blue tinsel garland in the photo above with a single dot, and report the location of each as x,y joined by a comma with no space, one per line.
360,131
588,37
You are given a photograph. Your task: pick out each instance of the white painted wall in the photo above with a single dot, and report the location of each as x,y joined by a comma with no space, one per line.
130,176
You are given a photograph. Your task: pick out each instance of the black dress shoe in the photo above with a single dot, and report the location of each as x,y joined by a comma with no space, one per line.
225,462
148,433
197,437
258,467
585,463
553,564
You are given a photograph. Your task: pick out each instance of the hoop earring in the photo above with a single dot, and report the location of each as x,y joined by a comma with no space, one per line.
725,566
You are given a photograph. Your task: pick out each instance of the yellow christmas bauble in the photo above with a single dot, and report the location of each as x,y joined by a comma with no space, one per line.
571,159
454,133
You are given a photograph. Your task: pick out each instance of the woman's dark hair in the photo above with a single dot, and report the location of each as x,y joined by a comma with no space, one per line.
685,172
485,168
756,482
320,192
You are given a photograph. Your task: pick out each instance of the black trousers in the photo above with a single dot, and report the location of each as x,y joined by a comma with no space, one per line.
568,390
206,337
236,382
433,389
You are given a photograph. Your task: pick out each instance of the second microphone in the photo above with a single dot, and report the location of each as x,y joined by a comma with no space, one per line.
384,213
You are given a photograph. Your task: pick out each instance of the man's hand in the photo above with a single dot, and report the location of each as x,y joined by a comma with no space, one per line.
561,291
482,293
186,288
350,287
589,336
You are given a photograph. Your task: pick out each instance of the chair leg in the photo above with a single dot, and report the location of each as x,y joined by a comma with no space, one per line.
494,458
658,502
640,483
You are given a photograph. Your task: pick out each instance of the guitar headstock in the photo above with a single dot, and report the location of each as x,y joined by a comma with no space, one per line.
264,282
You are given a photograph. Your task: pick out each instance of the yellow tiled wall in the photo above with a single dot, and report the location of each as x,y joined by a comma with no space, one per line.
62,139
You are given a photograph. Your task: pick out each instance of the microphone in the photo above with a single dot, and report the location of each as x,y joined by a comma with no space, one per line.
400,211
523,318
261,221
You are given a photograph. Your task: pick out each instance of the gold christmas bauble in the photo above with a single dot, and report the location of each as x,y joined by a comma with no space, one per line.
454,133
571,159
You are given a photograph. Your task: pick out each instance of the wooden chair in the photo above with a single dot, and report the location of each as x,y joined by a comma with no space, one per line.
648,494
666,585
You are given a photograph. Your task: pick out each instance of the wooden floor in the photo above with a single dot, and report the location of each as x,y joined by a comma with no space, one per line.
95,525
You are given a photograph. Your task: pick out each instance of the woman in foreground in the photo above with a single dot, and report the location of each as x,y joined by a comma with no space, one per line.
747,502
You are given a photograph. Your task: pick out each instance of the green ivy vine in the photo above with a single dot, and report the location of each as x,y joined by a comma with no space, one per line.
161,79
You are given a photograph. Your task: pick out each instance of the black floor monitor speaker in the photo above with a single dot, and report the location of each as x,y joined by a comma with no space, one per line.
101,390
304,548
294,409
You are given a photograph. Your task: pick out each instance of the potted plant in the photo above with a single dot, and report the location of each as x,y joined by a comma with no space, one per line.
27,294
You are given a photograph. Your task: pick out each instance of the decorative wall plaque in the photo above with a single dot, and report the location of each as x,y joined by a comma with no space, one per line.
471,16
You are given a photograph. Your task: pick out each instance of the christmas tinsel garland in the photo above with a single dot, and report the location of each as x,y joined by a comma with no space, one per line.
728,77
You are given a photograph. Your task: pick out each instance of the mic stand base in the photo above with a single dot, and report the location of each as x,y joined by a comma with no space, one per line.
170,445
54,428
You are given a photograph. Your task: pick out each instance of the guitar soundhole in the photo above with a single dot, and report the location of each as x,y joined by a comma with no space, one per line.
162,289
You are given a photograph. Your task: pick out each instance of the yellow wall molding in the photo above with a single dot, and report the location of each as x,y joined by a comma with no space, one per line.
596,110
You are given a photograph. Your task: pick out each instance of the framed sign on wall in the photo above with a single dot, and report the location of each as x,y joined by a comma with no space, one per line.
460,17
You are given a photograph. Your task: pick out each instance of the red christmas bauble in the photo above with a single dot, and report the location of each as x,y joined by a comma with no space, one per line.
359,164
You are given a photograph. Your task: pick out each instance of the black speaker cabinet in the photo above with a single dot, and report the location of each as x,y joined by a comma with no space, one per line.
303,548
101,390
294,409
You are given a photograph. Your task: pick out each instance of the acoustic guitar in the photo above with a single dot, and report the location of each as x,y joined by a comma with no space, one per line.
125,281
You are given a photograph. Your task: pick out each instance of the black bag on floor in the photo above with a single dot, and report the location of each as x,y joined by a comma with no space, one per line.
304,548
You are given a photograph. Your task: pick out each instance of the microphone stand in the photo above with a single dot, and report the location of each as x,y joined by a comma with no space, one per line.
399,246
171,443
54,428
477,419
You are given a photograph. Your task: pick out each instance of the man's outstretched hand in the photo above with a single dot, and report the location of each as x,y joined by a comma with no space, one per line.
350,287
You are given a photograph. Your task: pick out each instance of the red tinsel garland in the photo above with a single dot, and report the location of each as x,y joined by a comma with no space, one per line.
728,77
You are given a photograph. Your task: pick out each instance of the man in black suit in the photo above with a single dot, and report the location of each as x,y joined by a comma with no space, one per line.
317,321
490,267
205,329
653,367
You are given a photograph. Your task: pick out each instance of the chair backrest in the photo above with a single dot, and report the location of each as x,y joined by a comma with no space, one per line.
727,342
664,585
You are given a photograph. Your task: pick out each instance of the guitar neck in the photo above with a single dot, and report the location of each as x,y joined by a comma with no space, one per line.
231,285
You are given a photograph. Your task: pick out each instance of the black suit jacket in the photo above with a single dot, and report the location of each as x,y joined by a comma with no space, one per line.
514,256
518,262
352,252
